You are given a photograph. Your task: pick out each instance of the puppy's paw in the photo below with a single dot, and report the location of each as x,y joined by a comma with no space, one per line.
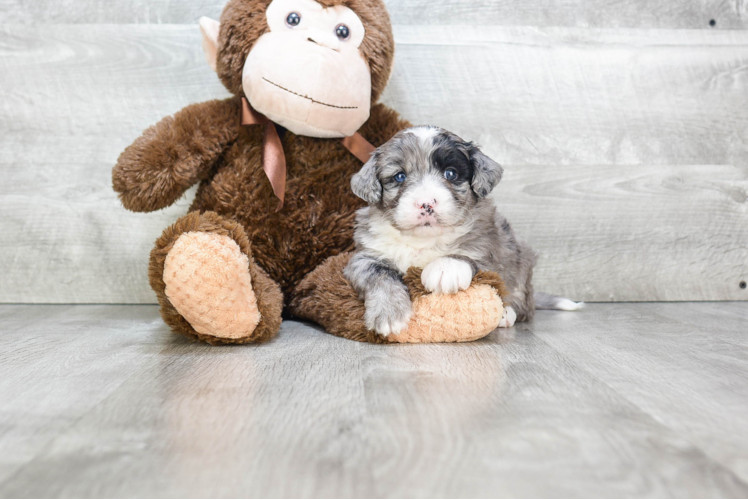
509,318
447,275
388,313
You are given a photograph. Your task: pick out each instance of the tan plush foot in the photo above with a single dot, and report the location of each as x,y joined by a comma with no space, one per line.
208,282
461,317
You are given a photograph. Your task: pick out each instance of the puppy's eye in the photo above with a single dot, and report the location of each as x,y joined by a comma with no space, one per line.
343,32
293,20
450,174
400,178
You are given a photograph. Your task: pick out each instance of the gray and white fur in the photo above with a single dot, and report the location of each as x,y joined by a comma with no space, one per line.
427,191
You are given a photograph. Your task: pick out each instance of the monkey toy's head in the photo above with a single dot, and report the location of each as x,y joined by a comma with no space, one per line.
314,67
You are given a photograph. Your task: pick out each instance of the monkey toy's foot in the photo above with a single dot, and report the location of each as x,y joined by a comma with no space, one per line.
207,281
465,316
208,285
326,297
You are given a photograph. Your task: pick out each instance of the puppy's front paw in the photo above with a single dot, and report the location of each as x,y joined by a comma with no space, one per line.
509,317
447,275
388,313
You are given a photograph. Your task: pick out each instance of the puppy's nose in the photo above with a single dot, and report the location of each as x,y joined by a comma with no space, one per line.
427,206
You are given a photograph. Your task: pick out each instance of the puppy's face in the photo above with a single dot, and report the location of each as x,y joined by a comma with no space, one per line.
426,180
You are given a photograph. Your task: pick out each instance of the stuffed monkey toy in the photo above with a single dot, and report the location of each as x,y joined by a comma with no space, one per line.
272,221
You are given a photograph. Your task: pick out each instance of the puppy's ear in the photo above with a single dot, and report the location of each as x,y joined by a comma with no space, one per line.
365,183
486,172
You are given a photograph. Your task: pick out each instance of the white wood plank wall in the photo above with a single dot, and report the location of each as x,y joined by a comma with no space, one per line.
727,14
622,125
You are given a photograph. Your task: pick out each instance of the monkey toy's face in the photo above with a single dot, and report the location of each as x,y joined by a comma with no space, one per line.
305,65
307,73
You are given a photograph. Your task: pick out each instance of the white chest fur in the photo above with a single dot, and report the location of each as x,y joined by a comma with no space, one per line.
406,250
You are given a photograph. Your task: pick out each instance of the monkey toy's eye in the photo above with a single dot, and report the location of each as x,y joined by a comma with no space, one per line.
343,32
450,174
400,178
293,20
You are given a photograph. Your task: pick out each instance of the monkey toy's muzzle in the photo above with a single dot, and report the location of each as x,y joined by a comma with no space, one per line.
308,87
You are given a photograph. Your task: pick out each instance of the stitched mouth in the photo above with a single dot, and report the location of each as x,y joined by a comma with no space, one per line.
315,101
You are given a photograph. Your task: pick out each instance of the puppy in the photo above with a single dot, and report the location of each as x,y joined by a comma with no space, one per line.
427,192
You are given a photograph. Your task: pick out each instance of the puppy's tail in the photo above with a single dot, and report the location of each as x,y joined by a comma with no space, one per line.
555,303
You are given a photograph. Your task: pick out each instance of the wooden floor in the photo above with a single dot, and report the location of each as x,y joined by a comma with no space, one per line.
642,400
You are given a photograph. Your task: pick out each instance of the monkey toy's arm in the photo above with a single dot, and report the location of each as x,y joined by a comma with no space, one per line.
177,152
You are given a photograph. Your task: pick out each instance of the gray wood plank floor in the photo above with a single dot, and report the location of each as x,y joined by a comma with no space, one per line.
641,400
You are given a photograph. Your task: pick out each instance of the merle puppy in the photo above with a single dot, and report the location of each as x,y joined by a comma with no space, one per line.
427,192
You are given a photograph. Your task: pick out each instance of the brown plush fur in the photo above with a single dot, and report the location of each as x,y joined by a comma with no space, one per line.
319,212
206,144
326,297
175,154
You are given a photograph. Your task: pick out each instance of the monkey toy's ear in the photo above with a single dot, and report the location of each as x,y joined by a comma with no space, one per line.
365,183
209,28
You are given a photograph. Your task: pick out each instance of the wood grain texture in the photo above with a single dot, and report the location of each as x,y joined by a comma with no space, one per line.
567,96
95,349
629,123
573,13
710,337
618,400
72,99
728,14
628,233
